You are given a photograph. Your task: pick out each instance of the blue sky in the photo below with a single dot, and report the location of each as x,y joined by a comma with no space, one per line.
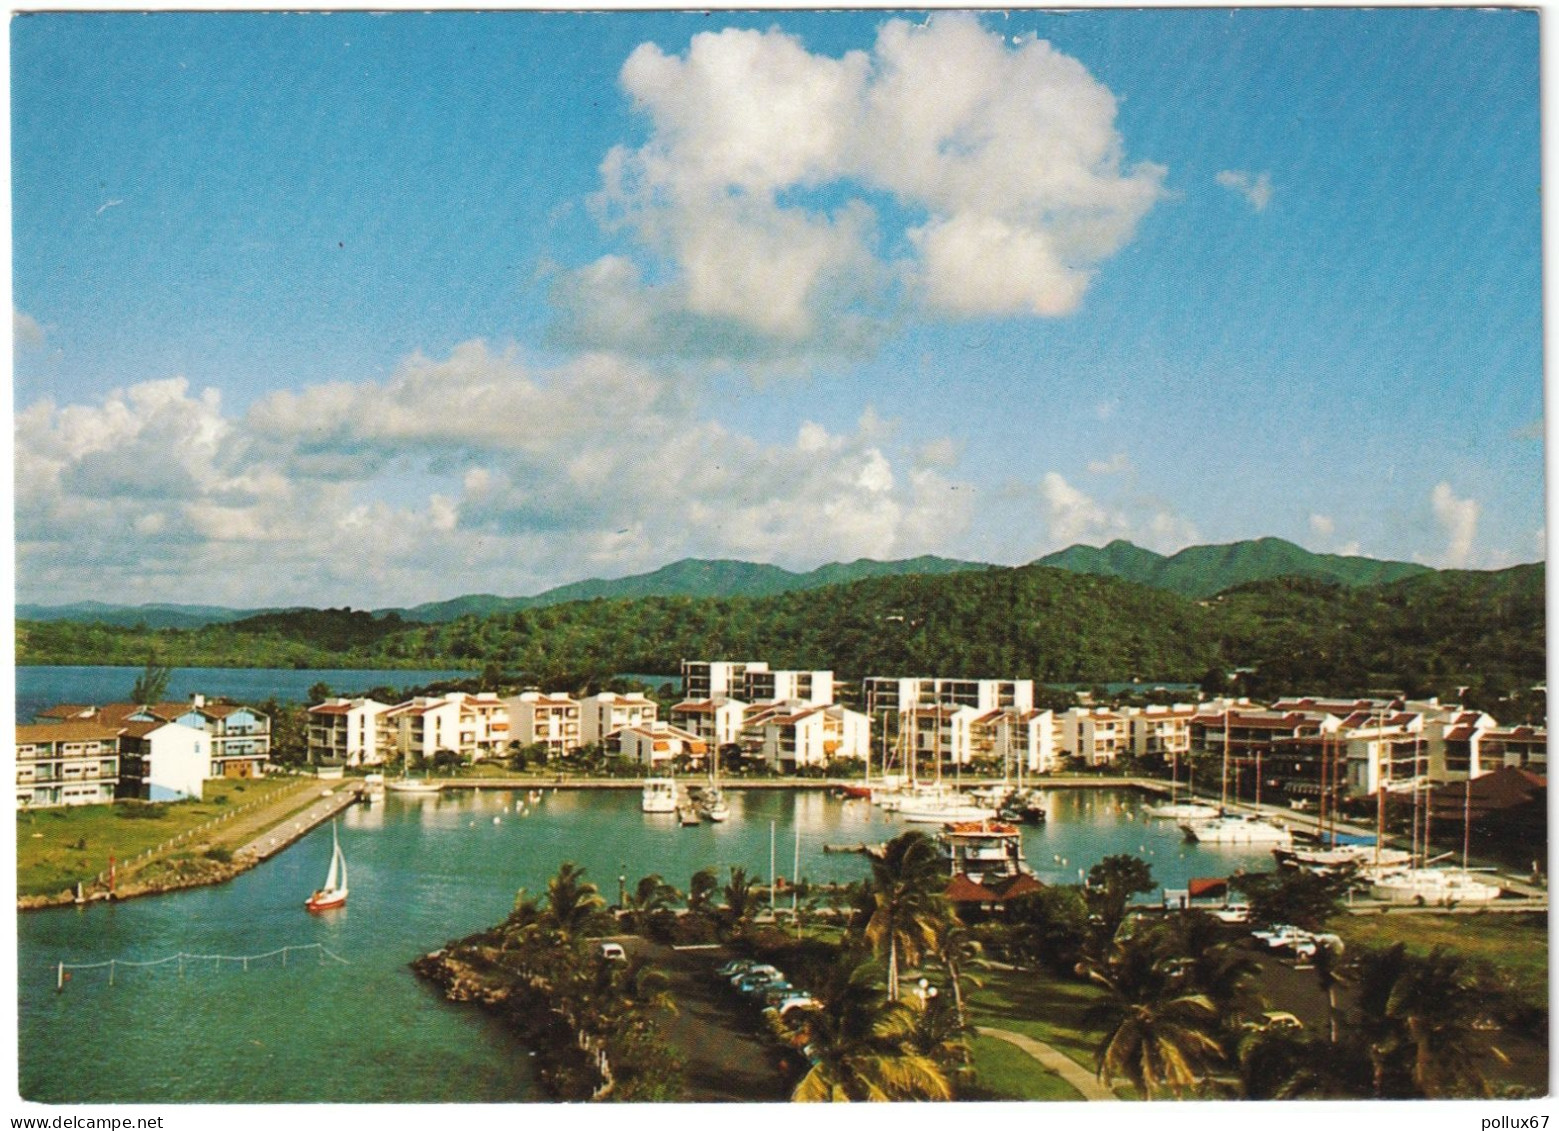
372,310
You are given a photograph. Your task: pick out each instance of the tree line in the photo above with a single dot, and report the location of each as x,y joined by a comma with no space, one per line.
1425,635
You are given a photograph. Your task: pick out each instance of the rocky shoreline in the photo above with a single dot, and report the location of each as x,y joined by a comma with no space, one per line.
158,878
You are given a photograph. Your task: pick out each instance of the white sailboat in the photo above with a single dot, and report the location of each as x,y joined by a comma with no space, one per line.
1176,810
1440,887
1239,829
333,894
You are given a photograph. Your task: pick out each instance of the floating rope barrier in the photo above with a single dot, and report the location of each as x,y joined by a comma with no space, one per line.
63,970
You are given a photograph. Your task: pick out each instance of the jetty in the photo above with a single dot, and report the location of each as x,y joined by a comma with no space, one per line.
273,840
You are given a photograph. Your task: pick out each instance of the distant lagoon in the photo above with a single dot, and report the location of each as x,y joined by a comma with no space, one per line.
41,687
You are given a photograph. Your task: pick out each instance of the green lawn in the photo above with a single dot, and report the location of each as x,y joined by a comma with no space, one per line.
1041,1007
57,847
1006,1072
1515,944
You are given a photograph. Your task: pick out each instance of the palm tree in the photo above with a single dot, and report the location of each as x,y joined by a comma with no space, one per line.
742,897
650,895
1161,1035
864,1047
701,887
905,903
1418,1014
573,903
1330,973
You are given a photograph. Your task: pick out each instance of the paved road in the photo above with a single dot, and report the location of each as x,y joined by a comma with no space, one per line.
729,1059
1063,1066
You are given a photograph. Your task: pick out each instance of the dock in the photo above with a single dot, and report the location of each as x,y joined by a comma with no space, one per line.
330,803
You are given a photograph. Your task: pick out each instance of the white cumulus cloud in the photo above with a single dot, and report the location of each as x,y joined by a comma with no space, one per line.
1256,188
1322,525
752,209
476,465
1458,519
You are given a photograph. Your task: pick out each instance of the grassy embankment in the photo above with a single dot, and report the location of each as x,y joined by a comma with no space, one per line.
57,847
1513,945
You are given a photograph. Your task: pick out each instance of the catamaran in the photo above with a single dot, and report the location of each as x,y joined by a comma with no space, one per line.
333,894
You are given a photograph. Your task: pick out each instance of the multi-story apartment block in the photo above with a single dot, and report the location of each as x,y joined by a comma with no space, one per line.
1024,738
804,734
717,722
882,694
161,761
1523,747
69,763
657,743
553,721
240,736
1162,733
704,679
759,685
346,731
474,727
602,715
1097,736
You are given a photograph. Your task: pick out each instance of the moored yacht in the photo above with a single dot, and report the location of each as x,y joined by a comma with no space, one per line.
1438,886
1183,811
1240,829
1341,856
983,850
659,796
954,807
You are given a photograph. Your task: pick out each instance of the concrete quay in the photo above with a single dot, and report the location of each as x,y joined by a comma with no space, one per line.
272,841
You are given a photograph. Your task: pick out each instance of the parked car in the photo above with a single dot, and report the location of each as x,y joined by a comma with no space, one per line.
736,966
786,1005
613,952
758,980
755,972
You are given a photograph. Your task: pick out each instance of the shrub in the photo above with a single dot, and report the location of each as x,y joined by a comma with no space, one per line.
219,854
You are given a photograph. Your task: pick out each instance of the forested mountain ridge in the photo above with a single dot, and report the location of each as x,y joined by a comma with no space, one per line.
1424,635
1201,571
691,577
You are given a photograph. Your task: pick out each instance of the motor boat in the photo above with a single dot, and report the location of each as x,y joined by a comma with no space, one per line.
659,796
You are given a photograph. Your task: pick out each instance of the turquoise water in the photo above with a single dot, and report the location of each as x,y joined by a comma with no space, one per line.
423,870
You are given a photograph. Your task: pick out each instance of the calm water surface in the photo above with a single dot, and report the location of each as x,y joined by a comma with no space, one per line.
423,871
40,687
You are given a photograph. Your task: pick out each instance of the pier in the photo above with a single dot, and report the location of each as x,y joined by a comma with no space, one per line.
269,843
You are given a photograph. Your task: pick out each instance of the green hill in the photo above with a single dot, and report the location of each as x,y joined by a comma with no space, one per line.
1201,571
690,577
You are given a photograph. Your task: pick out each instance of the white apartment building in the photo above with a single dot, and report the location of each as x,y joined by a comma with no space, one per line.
606,713
711,679
805,734
553,721
1161,732
717,722
1025,738
759,685
346,731
473,726
658,743
1096,736
74,763
161,761
882,694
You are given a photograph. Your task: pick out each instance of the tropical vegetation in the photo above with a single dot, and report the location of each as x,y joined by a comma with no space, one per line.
1426,634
